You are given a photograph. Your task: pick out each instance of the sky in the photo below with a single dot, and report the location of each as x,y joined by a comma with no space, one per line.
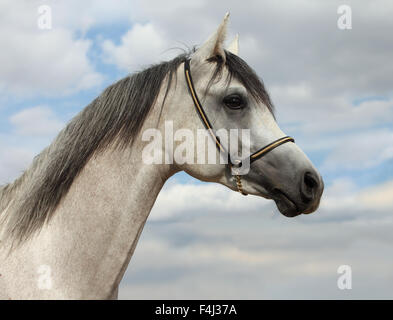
332,90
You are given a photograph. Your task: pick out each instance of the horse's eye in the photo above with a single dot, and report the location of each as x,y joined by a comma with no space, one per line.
234,101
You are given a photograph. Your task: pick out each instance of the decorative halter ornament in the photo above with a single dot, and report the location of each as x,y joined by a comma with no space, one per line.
205,120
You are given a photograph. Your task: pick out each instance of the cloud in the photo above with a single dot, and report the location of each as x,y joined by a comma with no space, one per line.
315,114
31,130
196,199
140,46
361,150
244,253
342,200
88,14
36,121
379,196
13,160
41,62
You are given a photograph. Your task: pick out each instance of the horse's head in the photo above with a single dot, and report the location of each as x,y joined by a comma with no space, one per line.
231,96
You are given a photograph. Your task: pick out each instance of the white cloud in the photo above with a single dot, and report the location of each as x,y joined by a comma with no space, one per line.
361,150
38,120
44,62
380,196
142,45
84,15
315,115
32,130
13,160
243,253
196,199
342,200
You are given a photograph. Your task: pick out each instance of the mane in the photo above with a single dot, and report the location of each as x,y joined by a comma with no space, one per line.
116,116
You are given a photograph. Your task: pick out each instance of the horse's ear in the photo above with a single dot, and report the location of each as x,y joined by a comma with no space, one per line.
234,46
214,45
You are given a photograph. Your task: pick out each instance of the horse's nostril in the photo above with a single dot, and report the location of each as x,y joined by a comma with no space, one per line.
308,186
310,181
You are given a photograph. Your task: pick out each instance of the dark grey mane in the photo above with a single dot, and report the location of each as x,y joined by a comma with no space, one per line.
116,115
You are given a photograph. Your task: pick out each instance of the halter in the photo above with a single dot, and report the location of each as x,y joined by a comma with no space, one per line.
205,120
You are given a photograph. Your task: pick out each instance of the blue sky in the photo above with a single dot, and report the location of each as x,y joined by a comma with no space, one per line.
333,93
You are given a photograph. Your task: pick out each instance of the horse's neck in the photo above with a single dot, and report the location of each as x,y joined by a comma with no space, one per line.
90,239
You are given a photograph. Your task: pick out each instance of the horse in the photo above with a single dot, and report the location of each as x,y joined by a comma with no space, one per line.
70,223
